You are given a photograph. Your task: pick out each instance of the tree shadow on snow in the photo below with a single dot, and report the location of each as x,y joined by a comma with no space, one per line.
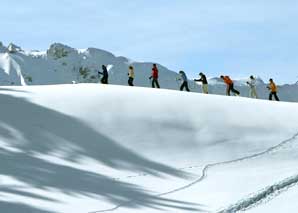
36,129
12,90
8,207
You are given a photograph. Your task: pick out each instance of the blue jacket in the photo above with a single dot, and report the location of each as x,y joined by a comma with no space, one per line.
183,76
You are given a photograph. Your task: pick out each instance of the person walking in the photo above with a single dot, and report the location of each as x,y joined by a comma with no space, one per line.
154,76
105,75
204,81
184,80
273,90
131,75
252,83
230,86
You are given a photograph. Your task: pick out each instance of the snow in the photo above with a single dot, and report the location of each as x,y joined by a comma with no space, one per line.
62,64
286,202
97,148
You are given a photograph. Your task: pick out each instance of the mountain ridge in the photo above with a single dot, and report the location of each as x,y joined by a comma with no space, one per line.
62,64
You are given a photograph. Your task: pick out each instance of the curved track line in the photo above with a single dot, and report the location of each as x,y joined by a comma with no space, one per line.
145,174
205,172
254,200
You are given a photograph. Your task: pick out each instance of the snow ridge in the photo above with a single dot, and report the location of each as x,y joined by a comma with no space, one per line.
267,192
209,166
270,191
62,64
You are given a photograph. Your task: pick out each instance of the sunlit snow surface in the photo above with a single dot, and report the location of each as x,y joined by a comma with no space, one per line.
62,64
100,148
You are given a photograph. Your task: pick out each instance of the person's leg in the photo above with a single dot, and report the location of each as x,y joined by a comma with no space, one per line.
270,96
251,93
130,80
182,86
186,86
228,92
275,96
153,80
104,80
157,84
255,92
205,88
233,90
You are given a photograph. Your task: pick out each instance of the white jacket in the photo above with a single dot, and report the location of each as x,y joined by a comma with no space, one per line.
252,82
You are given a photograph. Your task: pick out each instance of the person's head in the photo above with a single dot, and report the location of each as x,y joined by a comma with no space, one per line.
252,77
181,72
270,80
131,67
201,74
222,76
103,66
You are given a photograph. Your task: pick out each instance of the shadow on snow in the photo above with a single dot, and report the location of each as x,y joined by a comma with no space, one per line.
36,129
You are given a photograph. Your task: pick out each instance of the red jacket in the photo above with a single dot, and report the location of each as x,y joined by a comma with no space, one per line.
154,73
227,80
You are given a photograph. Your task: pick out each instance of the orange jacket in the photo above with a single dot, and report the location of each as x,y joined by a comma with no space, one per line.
273,87
227,80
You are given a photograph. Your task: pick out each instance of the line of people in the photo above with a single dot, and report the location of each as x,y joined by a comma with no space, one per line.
252,82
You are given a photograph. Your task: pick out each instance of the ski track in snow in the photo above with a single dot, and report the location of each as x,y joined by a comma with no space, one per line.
262,196
144,174
267,192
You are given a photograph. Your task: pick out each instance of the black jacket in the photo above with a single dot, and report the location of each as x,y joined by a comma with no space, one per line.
104,72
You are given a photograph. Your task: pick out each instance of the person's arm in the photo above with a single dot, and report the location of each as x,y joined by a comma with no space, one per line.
269,87
198,79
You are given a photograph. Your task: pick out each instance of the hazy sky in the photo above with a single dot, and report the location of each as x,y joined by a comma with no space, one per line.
231,37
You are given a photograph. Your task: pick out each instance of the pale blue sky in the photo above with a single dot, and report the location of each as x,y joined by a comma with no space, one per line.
234,37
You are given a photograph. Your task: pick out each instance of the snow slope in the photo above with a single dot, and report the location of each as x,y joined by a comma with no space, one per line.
62,64
287,92
101,148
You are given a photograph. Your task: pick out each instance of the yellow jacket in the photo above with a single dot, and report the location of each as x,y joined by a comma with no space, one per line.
273,87
131,73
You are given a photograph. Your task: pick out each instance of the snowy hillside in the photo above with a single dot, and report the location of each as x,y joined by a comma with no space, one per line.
102,148
286,92
61,64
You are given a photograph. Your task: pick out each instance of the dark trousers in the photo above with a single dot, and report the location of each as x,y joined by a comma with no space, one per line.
273,94
104,80
184,85
130,81
155,83
231,88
